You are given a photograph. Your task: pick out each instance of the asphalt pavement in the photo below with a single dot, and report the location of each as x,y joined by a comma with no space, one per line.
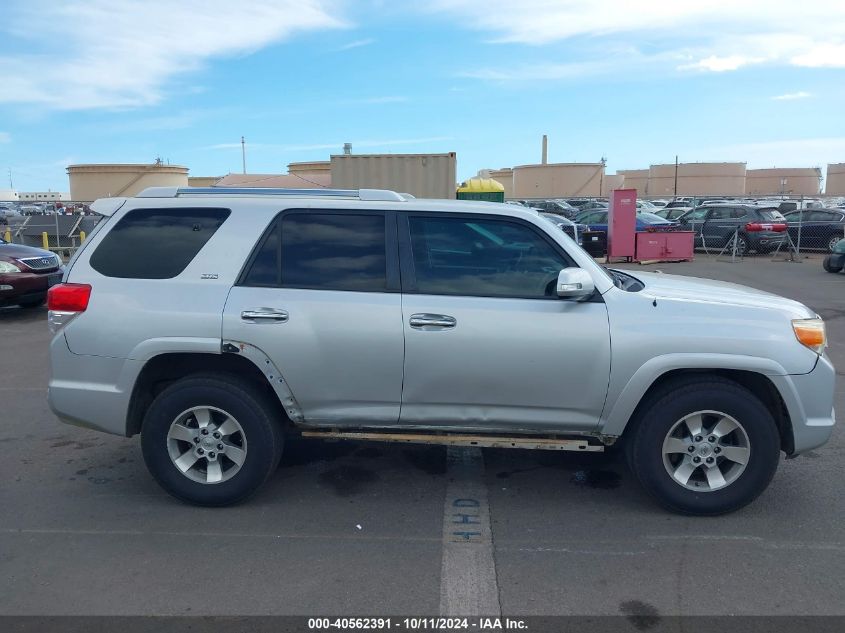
353,528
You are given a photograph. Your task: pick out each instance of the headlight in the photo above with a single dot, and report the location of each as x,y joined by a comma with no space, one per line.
810,333
8,267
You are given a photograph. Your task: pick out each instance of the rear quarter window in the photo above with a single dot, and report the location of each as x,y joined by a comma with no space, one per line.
155,243
772,215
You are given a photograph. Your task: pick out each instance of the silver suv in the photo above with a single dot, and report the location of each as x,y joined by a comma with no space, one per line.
218,322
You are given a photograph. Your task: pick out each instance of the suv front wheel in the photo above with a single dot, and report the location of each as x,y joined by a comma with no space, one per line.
705,448
211,440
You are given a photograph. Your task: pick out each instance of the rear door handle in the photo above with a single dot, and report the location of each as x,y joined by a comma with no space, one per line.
265,314
432,320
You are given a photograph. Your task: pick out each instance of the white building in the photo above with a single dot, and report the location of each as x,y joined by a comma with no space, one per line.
9,195
43,196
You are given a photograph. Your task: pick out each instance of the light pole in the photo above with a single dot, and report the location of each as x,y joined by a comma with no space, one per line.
243,154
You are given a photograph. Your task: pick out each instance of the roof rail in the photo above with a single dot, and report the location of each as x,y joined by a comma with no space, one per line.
360,194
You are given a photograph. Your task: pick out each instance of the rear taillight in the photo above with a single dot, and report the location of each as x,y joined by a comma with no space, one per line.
754,227
68,297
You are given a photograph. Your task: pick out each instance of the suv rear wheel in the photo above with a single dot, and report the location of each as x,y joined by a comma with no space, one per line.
211,440
705,448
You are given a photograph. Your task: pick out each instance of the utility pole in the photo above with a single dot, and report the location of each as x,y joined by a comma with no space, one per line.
243,153
676,176
601,176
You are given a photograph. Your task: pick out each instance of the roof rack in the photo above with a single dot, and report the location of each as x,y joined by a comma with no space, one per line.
359,194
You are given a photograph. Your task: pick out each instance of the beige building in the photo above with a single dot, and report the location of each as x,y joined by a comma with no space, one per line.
791,181
89,182
282,181
556,180
834,184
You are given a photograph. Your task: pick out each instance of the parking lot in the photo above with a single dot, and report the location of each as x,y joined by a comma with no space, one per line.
347,528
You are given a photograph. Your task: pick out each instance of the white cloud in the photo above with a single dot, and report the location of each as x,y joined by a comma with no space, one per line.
5,137
102,54
721,64
709,35
791,96
355,44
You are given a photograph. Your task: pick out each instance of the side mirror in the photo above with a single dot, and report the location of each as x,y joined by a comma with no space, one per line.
575,283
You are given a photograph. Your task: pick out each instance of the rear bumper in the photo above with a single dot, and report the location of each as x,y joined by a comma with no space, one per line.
809,400
90,391
765,239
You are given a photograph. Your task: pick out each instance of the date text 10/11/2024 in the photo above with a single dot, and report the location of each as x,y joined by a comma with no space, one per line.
417,624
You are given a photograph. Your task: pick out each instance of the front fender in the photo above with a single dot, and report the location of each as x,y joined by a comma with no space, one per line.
620,407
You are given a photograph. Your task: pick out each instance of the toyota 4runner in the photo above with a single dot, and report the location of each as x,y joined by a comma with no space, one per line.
217,322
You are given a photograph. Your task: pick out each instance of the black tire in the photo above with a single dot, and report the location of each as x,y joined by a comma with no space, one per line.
32,303
260,421
832,240
830,267
688,396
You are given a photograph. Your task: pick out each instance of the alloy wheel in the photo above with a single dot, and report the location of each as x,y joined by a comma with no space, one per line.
706,451
206,444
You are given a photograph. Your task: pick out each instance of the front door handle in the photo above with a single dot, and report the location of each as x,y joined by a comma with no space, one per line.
265,314
433,320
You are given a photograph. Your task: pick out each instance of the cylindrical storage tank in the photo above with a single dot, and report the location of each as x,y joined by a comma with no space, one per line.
803,181
314,167
697,179
421,175
557,180
835,182
89,182
203,181
661,181
612,182
481,189
635,179
709,179
504,176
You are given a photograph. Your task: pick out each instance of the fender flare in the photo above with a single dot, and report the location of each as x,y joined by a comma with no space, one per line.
620,410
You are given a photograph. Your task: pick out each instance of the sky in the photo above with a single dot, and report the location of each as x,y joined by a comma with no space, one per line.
636,82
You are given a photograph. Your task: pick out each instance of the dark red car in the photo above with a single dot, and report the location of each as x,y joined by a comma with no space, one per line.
26,273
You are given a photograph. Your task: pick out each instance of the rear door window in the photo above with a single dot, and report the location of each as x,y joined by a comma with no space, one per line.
156,243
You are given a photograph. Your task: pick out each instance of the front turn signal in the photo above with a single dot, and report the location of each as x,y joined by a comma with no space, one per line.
810,333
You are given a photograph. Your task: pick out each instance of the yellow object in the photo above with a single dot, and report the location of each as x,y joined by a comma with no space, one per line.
810,333
45,240
8,236
481,185
81,237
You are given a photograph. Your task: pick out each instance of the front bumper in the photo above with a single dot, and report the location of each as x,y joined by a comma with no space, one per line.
809,401
18,287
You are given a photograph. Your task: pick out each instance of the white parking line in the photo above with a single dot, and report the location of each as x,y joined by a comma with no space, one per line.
468,585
